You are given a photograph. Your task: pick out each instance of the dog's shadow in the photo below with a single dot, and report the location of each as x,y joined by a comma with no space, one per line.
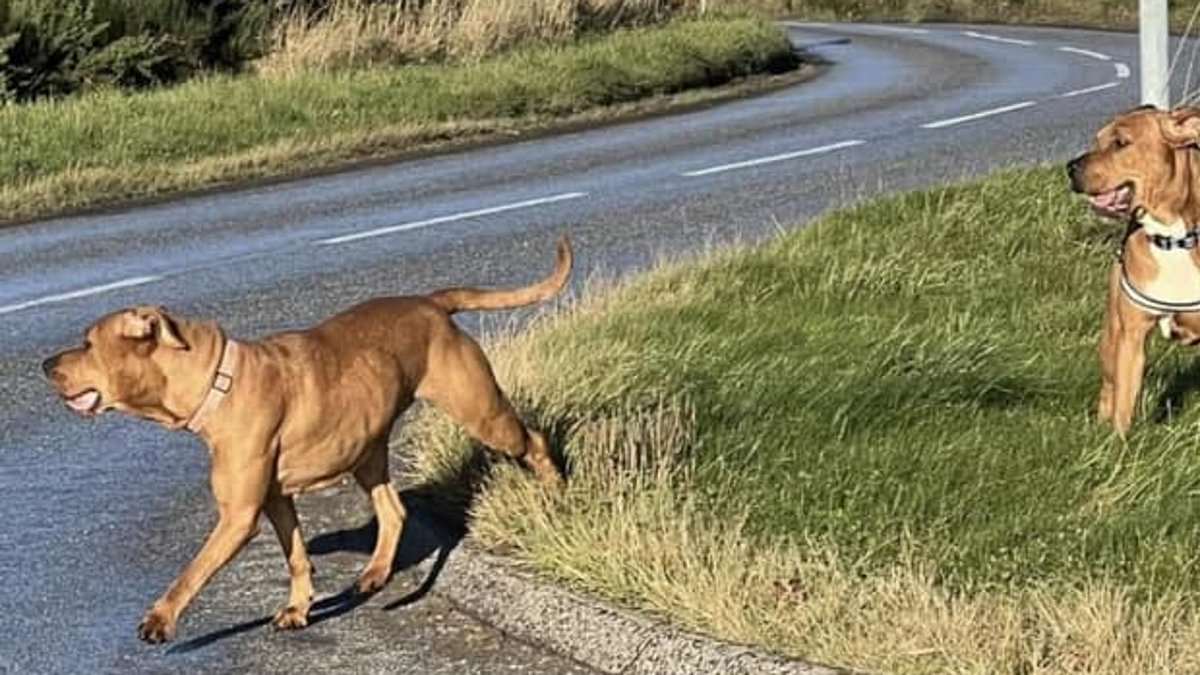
436,524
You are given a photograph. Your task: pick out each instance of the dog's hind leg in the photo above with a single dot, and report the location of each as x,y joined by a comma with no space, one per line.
501,430
372,476
464,387
281,511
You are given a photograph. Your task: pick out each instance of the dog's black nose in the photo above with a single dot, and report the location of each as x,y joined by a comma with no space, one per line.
48,365
1073,166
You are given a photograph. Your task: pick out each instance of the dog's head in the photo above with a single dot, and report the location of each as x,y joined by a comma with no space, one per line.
140,361
1140,159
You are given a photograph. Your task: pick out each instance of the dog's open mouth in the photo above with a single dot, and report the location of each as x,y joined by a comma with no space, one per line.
1115,203
85,402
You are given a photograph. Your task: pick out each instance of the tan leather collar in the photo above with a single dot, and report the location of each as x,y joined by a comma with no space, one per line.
219,387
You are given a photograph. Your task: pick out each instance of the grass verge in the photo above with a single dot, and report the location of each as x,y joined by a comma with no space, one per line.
1108,14
110,146
869,442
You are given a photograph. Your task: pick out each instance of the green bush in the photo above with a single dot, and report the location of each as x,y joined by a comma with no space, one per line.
57,47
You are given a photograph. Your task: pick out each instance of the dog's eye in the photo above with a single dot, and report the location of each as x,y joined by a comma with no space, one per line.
1120,142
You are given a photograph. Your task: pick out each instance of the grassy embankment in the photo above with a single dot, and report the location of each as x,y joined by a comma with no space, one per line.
108,146
1121,14
869,442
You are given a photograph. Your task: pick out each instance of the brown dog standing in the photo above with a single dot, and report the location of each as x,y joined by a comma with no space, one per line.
297,410
1144,169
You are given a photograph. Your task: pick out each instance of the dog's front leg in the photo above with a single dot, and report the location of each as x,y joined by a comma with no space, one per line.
1110,336
241,476
234,529
281,511
1130,367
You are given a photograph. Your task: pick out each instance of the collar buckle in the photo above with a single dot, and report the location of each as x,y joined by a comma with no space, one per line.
222,382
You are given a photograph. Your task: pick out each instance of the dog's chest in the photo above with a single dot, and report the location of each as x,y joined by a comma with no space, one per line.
1177,278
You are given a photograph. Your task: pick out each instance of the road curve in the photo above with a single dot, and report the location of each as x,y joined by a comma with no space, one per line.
98,517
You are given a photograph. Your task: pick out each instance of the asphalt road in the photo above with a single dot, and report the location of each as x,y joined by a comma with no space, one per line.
99,516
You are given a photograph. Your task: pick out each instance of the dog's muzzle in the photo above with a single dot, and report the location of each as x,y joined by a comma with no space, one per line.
1075,171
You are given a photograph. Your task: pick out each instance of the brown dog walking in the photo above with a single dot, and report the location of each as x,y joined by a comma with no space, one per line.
1144,169
297,410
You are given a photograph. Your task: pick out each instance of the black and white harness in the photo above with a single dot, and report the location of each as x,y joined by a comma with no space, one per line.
1166,243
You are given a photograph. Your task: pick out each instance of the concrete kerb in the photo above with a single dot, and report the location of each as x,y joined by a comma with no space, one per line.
605,638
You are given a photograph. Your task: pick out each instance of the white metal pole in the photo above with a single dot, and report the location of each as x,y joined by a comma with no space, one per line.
1152,35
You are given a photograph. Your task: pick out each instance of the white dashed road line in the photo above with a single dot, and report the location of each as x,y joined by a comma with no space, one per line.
1086,52
1089,90
773,158
81,293
979,115
1122,72
403,227
997,38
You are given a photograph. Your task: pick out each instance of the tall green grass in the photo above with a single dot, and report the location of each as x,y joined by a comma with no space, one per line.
883,447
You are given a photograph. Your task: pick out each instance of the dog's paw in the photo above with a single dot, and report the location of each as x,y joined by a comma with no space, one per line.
552,480
291,618
372,579
549,476
156,627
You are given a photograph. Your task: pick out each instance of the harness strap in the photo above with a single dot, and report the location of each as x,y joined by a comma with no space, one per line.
1154,305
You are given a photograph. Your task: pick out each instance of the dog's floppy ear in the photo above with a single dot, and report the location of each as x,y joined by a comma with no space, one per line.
153,322
1181,127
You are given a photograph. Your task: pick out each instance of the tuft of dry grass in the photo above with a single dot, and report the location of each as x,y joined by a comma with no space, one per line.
359,33
658,516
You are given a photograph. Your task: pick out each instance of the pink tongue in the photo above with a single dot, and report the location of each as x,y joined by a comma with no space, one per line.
84,402
1106,200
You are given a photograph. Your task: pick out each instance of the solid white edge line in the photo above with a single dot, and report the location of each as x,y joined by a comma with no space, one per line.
860,26
380,231
974,116
80,293
1122,69
1086,52
997,38
894,29
773,158
1089,90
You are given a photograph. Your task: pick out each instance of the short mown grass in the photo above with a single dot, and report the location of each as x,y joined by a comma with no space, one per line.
113,146
869,442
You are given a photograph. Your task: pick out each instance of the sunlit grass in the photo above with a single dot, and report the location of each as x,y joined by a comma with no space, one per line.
869,442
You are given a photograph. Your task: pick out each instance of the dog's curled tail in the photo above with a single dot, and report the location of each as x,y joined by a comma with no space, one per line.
468,299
